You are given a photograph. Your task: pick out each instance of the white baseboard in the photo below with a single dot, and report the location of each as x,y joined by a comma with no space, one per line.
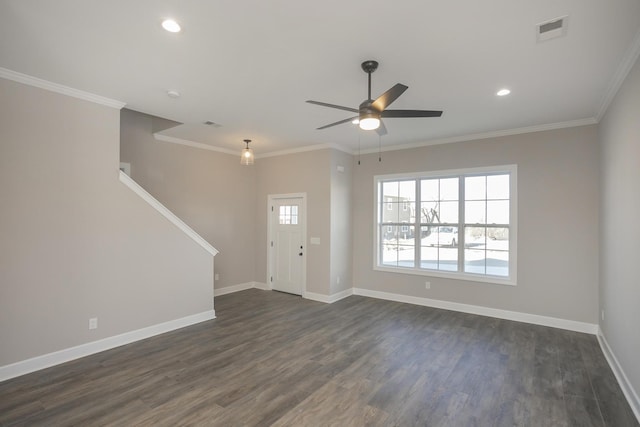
231,289
535,319
47,360
265,287
623,380
316,297
340,295
328,299
260,285
240,287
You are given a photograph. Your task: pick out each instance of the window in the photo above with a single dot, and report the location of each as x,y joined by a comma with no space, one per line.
288,215
457,224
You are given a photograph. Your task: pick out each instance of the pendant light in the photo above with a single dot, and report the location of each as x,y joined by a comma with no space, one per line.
247,158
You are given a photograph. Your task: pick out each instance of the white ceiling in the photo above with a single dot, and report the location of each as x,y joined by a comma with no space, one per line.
249,65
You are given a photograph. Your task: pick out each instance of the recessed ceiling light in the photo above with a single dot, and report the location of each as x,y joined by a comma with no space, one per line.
173,94
171,26
503,92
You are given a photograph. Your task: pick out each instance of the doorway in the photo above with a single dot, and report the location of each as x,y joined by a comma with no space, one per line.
286,242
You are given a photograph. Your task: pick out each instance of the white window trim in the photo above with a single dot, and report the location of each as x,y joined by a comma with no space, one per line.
513,225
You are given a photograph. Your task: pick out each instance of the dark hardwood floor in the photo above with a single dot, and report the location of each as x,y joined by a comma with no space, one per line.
276,359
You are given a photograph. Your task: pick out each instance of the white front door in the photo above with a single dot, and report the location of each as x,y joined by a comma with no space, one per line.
287,244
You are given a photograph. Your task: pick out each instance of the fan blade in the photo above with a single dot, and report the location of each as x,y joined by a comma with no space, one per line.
384,100
338,123
410,113
382,130
339,107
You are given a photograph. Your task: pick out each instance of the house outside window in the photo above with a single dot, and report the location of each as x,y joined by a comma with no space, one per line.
457,224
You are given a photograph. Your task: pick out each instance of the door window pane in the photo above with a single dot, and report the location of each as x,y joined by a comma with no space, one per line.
288,215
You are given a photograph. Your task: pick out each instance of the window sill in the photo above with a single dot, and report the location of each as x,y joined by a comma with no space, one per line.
445,275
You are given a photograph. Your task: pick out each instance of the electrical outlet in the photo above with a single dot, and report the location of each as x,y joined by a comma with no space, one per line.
602,314
427,285
217,276
93,323
338,280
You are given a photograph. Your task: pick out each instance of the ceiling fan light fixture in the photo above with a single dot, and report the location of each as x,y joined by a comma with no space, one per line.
246,157
171,26
369,123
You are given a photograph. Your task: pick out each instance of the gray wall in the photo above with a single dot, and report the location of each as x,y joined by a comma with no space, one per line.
557,222
210,191
309,173
76,243
620,226
226,203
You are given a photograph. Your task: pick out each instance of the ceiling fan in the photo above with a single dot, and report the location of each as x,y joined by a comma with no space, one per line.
371,111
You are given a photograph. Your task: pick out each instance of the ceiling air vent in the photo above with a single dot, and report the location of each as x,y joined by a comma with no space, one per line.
552,29
213,124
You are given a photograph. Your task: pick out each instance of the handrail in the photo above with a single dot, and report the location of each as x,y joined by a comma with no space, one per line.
135,187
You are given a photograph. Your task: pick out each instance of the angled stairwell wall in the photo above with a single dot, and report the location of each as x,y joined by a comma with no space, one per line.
76,243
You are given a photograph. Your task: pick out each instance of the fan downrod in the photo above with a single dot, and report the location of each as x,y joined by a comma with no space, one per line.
369,66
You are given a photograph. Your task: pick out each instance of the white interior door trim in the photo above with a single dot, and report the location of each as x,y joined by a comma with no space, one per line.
271,198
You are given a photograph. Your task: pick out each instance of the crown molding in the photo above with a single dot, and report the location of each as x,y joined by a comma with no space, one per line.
193,144
58,88
485,135
305,149
461,138
620,75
